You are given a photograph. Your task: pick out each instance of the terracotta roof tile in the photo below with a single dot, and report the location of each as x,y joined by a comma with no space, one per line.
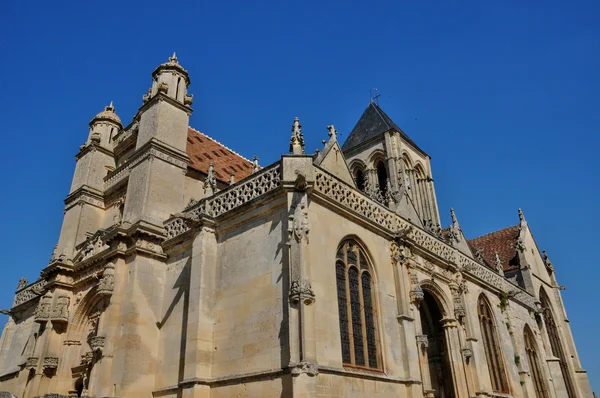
204,150
501,242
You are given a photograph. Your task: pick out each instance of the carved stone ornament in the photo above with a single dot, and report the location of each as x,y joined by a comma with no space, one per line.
547,262
163,87
106,284
457,299
416,293
210,183
297,139
397,252
302,291
60,313
467,353
298,220
97,343
188,99
50,363
520,245
23,282
31,363
87,358
42,311
422,342
309,368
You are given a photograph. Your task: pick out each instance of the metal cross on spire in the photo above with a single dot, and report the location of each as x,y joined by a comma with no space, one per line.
375,98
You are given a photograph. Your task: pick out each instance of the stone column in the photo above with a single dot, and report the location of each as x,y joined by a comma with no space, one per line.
422,344
199,346
297,180
405,317
455,357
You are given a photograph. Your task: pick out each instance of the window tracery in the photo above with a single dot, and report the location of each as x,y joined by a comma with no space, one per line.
555,343
535,369
493,352
356,307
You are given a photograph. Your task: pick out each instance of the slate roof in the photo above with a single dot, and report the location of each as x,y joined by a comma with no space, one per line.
204,150
503,242
373,122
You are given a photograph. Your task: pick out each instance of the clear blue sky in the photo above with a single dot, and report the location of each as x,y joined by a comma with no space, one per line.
503,95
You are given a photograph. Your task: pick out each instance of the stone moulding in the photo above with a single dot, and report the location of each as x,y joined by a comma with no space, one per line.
367,209
152,149
97,343
31,363
50,363
244,191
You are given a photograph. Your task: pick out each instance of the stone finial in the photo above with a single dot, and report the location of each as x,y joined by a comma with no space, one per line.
23,282
255,166
453,215
173,58
499,266
232,178
547,261
521,216
210,183
297,139
332,133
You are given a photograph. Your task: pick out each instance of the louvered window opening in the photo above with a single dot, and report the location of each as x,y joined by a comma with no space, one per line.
357,312
493,353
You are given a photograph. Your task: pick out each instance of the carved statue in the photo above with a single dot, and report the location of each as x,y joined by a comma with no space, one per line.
210,183
297,139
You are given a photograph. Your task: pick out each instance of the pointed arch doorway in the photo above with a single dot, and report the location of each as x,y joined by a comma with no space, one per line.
435,353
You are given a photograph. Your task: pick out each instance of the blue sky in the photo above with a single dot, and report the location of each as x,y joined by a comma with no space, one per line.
502,95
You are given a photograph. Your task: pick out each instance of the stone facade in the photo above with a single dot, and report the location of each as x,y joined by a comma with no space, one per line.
174,278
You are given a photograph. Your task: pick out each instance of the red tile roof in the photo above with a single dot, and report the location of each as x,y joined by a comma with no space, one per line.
501,242
204,150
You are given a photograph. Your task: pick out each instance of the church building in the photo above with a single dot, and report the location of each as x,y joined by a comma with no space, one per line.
183,269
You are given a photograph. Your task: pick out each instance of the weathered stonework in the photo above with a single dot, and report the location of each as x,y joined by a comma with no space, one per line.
171,280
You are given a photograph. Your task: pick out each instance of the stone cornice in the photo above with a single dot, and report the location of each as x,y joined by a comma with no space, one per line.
85,195
358,205
159,96
92,147
152,149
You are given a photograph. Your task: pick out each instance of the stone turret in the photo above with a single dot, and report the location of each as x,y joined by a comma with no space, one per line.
104,126
84,206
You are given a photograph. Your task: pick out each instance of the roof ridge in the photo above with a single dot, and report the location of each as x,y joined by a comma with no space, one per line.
377,109
493,232
224,146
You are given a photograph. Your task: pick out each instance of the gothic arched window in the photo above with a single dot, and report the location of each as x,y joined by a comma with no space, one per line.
555,344
493,353
535,368
360,180
382,177
356,307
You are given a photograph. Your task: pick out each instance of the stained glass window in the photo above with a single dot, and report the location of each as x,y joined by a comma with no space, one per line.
340,272
492,349
358,321
534,364
555,343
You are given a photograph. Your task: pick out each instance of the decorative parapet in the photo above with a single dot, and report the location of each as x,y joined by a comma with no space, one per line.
364,207
254,186
97,343
29,292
